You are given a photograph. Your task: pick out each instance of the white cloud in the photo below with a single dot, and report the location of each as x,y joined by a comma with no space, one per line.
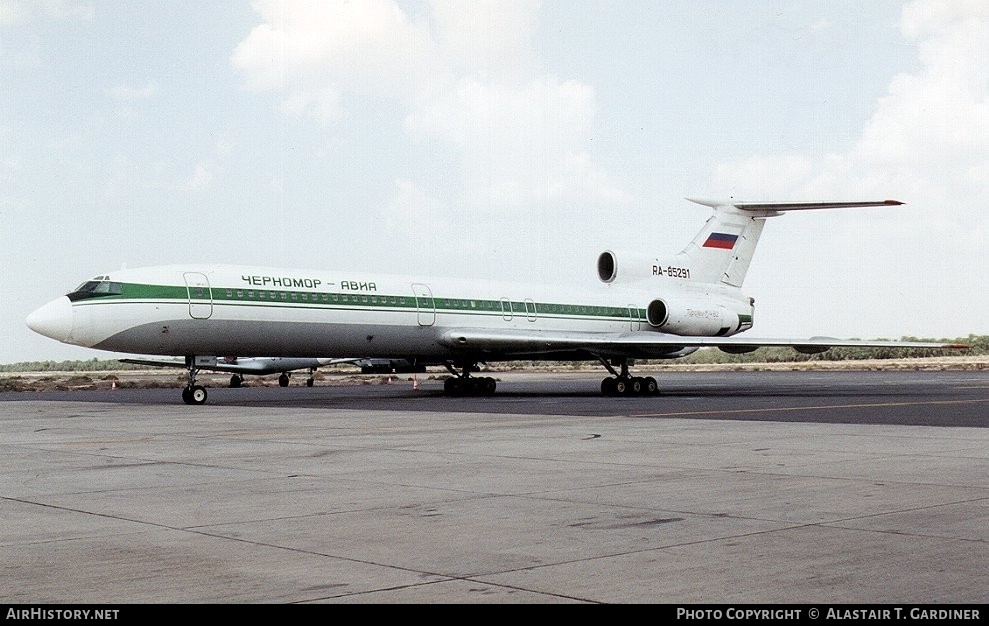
13,11
67,9
763,177
923,18
321,104
201,178
525,145
926,144
934,119
464,71
488,40
127,92
10,12
315,51
927,132
419,224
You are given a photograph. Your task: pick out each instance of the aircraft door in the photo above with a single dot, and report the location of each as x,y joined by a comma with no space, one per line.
530,310
200,295
506,309
425,307
633,317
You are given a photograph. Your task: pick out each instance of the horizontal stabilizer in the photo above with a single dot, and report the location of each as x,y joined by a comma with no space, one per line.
722,251
779,207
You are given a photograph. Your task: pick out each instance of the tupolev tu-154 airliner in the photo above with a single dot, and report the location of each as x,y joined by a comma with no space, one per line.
643,307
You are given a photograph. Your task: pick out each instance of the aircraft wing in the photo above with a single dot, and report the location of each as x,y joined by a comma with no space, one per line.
642,345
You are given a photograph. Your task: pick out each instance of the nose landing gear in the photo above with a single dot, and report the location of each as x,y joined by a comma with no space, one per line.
193,393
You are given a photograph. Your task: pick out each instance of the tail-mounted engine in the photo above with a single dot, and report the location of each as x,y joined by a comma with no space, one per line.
631,266
705,318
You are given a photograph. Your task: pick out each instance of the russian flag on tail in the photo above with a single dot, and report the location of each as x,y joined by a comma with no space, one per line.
721,240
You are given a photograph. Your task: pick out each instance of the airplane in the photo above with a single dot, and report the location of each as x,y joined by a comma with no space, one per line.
262,366
255,366
642,307
389,366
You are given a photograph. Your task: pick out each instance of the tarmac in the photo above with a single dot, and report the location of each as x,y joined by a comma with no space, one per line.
775,488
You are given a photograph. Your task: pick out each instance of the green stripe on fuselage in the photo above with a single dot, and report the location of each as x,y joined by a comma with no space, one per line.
350,301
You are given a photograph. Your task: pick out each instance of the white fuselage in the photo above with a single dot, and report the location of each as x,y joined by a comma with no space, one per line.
256,311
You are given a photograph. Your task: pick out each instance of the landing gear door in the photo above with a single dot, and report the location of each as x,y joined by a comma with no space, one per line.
200,295
425,307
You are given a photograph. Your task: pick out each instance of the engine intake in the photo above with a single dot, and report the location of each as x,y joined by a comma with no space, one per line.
631,266
657,313
607,266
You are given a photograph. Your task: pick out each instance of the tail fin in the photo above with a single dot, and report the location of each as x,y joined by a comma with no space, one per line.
722,251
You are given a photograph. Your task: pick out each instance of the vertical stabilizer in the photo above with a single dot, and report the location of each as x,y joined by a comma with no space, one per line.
722,251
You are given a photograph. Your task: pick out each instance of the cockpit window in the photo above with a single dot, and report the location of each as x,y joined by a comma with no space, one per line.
96,289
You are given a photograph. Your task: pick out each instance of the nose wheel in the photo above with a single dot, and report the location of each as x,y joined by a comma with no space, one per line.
193,393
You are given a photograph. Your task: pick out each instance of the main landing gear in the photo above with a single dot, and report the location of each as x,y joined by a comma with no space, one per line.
622,384
463,384
193,393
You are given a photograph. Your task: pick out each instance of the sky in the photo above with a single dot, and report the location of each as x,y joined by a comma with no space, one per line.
501,139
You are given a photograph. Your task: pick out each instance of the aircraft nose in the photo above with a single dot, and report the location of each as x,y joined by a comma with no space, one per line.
53,319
